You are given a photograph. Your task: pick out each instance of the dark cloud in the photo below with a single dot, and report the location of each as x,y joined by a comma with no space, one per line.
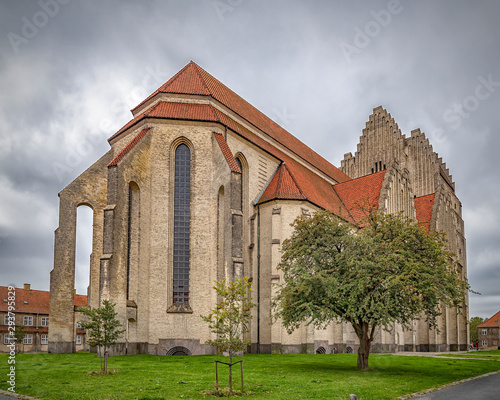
70,72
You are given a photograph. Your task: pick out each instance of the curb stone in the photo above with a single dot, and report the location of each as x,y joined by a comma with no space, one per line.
17,395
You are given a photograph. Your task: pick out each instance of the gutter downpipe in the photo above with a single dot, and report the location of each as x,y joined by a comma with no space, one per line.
258,279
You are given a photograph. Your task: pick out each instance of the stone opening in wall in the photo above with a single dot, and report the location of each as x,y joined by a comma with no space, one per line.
320,350
349,349
334,350
83,247
178,351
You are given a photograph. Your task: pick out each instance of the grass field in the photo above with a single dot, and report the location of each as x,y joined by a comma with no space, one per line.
146,377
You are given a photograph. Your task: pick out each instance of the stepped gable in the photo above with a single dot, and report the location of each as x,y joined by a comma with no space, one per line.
423,208
361,195
193,80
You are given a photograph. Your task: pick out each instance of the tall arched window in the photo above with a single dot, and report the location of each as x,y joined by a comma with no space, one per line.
83,247
133,241
241,184
182,218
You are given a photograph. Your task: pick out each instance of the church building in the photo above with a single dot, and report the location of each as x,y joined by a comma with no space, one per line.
200,186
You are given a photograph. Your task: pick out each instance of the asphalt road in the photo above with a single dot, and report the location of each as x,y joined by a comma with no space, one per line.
484,388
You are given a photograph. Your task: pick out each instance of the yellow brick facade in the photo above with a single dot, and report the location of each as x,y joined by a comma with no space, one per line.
229,234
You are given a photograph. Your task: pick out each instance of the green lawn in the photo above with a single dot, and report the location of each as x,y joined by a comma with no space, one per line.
334,376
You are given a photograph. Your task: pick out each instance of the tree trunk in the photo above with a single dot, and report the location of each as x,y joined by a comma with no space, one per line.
365,340
99,351
105,361
230,372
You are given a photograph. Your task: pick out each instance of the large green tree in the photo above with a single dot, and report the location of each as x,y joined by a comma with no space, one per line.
390,270
103,329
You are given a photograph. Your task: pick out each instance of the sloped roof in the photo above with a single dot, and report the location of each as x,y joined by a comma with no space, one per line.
316,189
137,138
423,207
32,301
360,195
281,186
193,80
169,110
226,151
492,322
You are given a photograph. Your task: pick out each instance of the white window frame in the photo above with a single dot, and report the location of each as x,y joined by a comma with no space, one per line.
79,325
28,320
44,321
44,339
485,342
28,339
7,339
78,339
484,331
6,319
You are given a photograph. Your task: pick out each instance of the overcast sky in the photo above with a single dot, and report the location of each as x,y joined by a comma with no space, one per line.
71,70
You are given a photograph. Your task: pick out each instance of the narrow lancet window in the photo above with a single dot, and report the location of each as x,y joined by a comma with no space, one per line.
133,241
182,217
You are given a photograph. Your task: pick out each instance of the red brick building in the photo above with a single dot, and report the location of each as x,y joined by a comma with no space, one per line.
30,308
489,333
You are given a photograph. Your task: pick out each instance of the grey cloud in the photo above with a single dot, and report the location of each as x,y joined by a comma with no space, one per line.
85,67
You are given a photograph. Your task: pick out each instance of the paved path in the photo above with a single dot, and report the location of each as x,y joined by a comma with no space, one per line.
482,388
5,395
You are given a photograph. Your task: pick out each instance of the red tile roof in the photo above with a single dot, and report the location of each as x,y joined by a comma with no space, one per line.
492,322
361,195
193,80
423,207
282,186
316,189
32,301
137,138
292,179
226,151
169,110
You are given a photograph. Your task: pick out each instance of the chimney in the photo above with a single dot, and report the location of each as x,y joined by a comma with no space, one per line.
27,286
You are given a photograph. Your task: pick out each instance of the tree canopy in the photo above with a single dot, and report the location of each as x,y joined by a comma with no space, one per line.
389,271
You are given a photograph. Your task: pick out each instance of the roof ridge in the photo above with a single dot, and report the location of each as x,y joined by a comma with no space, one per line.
293,179
197,69
362,177
172,79
257,200
343,204
256,118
